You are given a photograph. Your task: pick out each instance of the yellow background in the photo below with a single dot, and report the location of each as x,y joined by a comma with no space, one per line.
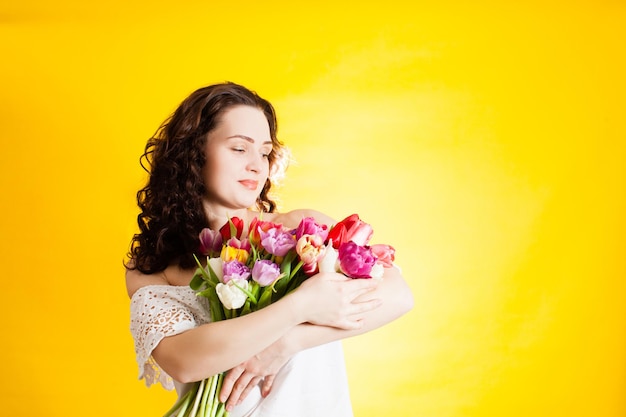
484,141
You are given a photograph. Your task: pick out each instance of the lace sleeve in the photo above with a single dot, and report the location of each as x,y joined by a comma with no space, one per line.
158,311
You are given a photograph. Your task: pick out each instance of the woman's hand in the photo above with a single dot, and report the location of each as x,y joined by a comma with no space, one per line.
263,367
327,299
330,299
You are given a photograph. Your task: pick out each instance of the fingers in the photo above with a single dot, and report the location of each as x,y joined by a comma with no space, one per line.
361,286
361,307
236,386
229,382
353,320
268,382
244,384
359,303
253,383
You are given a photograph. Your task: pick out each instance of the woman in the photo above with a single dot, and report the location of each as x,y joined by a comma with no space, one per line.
214,158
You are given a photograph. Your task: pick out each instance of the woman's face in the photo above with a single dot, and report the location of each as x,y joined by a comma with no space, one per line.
237,163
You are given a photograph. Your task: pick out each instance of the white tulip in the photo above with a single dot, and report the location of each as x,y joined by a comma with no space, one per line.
328,261
377,271
216,266
231,296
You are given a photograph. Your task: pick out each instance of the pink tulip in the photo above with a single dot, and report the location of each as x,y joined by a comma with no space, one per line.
356,261
384,254
308,226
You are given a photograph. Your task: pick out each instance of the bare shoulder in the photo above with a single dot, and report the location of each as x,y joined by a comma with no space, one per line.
136,279
292,218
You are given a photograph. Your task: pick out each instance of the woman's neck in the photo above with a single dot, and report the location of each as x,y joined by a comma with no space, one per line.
218,218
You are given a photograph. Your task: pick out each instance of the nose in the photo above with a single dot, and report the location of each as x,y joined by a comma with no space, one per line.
254,162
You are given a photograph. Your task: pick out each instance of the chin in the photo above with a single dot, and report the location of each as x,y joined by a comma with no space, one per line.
241,205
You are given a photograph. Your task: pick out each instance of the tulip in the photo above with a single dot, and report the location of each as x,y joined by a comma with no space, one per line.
231,296
236,249
308,226
384,254
351,229
310,248
232,228
356,261
265,272
217,265
328,260
277,242
235,270
210,242
377,272
256,225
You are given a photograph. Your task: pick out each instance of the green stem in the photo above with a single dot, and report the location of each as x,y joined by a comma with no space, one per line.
212,396
196,403
294,270
192,392
201,268
205,396
221,411
181,400
216,402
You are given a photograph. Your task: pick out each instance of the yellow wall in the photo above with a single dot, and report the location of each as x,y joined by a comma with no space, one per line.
486,142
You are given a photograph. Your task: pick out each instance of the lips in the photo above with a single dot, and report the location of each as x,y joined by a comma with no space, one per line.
249,184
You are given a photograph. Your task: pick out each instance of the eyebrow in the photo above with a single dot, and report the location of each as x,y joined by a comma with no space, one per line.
249,139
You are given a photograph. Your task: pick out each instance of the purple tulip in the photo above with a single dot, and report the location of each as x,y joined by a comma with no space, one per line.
265,272
210,242
234,270
356,261
277,242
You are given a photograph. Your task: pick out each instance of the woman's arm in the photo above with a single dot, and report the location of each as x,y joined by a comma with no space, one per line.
326,299
396,298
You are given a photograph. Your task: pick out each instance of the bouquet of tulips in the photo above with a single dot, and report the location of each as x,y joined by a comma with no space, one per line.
242,275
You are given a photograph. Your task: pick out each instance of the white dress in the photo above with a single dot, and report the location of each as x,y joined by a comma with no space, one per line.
313,383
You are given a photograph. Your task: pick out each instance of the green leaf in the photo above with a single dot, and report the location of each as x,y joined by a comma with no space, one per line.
266,297
291,255
197,282
200,267
215,306
233,228
295,270
246,309
213,279
279,288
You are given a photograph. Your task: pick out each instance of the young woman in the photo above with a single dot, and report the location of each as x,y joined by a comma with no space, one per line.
214,158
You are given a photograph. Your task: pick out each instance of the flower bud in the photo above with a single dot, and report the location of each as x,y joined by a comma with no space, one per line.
356,261
265,272
231,296
210,242
328,261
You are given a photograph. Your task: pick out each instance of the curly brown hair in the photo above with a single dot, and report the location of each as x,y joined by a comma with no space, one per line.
172,214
